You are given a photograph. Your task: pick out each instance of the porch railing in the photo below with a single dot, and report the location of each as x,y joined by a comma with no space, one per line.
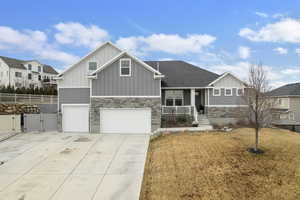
177,110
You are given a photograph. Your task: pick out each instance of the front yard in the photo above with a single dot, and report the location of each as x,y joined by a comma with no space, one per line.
217,166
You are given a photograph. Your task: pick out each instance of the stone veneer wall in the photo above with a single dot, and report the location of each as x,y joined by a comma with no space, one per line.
97,103
224,115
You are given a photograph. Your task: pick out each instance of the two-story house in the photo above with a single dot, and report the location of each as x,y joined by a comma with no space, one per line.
286,111
111,91
20,73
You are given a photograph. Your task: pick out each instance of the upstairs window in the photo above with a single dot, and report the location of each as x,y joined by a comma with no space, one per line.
125,67
18,74
29,76
40,77
29,67
92,66
39,69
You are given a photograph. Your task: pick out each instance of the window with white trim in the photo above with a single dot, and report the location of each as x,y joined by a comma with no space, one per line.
92,66
228,91
239,92
29,67
125,67
174,98
216,92
18,74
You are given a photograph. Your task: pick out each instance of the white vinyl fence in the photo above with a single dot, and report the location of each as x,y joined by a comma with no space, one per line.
27,98
10,123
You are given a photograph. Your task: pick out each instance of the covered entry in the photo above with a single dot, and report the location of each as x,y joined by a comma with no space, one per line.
125,120
75,117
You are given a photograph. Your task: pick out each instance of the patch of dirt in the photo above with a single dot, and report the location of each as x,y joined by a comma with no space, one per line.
217,166
82,139
66,151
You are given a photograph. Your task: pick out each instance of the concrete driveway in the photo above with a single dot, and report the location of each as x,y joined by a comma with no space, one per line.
72,166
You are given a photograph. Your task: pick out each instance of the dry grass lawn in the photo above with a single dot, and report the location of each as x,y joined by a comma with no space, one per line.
217,166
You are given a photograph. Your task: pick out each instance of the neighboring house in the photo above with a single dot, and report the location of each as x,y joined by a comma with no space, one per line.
20,73
286,111
111,91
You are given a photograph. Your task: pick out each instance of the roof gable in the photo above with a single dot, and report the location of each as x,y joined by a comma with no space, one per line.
90,54
130,56
223,76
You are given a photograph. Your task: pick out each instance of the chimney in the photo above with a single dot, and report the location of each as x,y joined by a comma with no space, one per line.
157,66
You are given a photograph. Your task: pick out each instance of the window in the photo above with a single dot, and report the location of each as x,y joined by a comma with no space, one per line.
29,67
280,101
217,92
174,98
18,74
125,67
239,92
40,77
92,66
39,69
228,92
292,116
29,76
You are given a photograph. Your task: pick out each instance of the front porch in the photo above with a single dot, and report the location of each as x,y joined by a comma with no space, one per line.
185,102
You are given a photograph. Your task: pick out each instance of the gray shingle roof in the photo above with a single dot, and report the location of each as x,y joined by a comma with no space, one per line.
287,90
49,69
183,74
13,63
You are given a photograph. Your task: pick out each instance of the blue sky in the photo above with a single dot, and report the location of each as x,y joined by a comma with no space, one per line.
216,35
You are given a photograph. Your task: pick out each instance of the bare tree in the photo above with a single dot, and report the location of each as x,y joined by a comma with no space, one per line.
259,103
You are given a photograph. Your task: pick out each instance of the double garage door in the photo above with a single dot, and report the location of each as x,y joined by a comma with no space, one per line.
115,120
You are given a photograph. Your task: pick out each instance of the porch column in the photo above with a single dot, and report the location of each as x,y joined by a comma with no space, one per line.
192,97
193,104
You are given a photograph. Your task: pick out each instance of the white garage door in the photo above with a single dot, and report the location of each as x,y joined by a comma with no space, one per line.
125,120
75,118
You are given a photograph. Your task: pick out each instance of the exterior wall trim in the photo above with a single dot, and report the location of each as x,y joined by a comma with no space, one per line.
228,106
125,96
186,88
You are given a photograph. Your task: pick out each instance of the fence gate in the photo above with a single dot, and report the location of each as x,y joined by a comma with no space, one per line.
40,122
10,123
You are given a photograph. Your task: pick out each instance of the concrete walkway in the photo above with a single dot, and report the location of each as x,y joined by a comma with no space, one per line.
6,135
72,166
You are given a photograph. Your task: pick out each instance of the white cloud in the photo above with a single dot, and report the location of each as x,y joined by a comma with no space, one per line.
244,52
281,50
79,35
277,77
261,14
297,51
295,71
33,42
168,43
285,30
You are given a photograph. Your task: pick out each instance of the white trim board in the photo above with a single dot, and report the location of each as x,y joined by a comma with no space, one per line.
119,56
227,106
125,96
89,54
224,75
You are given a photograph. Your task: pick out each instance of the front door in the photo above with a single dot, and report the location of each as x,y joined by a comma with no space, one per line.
200,101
